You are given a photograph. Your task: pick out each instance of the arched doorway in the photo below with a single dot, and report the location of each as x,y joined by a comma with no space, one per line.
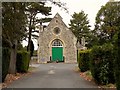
57,50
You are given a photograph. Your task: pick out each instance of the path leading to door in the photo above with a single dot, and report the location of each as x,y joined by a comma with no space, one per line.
53,75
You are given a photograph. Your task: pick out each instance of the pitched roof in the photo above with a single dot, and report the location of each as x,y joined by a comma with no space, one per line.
57,16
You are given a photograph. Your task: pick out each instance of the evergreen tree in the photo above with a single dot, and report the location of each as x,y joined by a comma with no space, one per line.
107,22
13,28
16,16
79,25
32,9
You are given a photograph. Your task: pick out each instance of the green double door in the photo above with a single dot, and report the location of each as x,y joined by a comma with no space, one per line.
57,53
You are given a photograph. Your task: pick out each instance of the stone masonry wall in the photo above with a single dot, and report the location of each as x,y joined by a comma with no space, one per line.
66,36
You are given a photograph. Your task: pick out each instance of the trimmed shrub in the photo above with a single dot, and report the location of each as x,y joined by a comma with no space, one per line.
22,63
5,62
101,64
117,69
117,62
83,60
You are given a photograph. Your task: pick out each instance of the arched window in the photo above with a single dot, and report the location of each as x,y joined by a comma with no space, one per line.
57,42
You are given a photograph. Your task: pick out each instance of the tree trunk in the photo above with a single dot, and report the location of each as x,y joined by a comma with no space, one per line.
30,31
12,66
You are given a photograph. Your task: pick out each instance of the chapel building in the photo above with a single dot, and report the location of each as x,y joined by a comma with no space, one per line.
56,42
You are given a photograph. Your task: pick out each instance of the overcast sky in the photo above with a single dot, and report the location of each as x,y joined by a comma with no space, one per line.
90,7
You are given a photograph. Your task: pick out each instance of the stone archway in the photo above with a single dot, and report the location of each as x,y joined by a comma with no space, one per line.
57,50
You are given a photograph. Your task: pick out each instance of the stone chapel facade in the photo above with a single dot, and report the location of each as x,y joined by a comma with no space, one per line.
56,42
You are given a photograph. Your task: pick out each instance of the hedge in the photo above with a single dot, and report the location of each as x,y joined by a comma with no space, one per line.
83,60
117,69
102,64
117,62
22,63
5,62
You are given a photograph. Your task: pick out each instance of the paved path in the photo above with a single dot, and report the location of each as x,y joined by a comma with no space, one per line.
53,75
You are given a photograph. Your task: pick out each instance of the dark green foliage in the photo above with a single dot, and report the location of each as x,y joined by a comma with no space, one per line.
79,25
14,21
13,27
107,27
83,60
19,46
22,63
33,8
1,64
101,64
5,62
5,43
107,22
117,62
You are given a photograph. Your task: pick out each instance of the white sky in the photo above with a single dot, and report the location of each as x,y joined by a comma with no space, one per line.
90,7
